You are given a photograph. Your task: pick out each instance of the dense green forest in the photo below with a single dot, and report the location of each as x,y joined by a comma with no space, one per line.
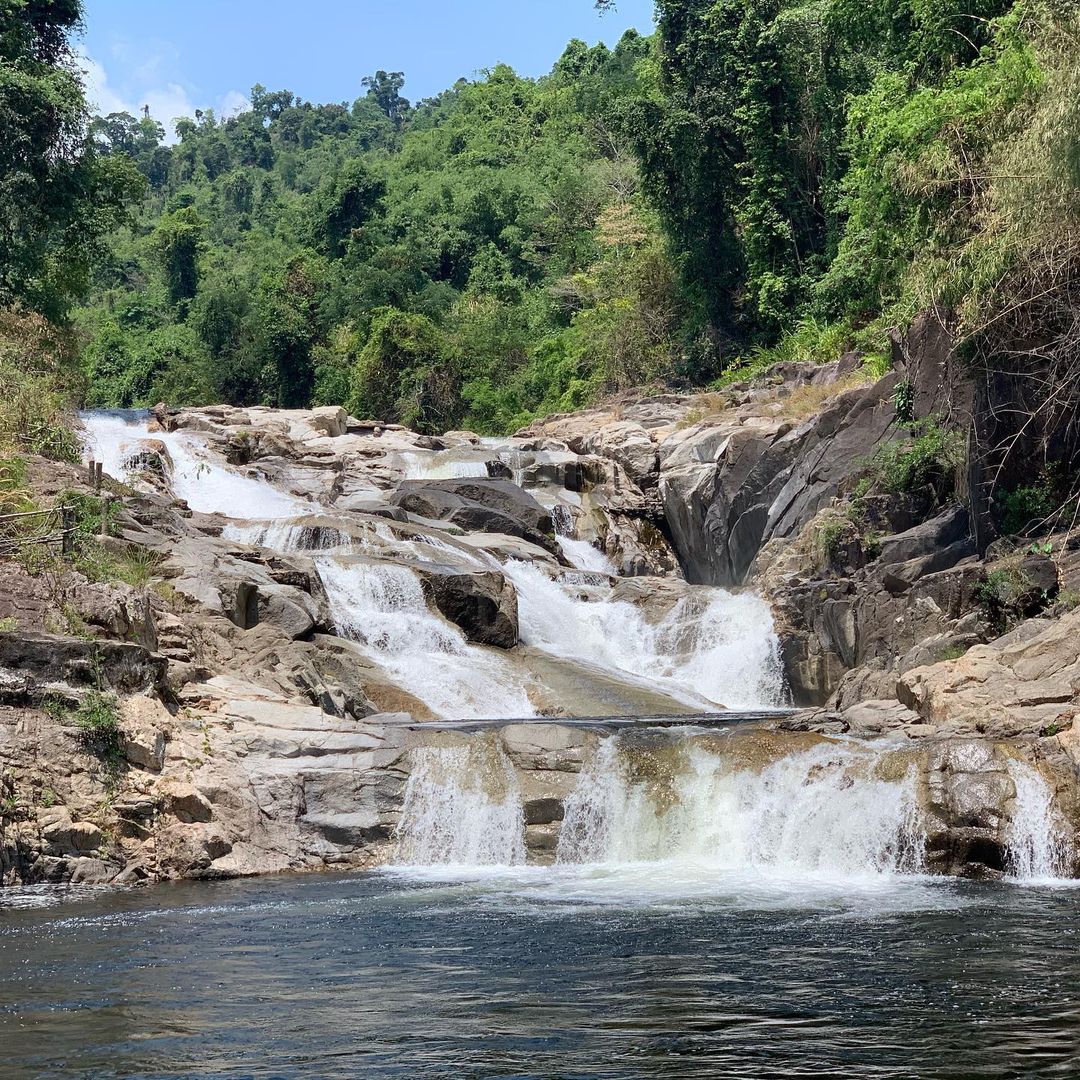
760,180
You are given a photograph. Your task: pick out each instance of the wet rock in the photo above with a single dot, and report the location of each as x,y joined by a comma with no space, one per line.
543,811
483,603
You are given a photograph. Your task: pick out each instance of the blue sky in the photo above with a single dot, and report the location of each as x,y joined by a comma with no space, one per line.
180,55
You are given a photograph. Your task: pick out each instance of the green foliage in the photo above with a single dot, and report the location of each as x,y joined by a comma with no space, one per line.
87,511
97,719
403,373
1025,507
841,531
500,221
904,401
763,181
135,567
59,198
928,460
177,243
35,386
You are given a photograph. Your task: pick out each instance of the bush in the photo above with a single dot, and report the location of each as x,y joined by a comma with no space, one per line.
1025,507
929,460
98,721
35,407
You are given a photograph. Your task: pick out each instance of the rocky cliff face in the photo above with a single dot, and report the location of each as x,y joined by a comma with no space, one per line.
263,725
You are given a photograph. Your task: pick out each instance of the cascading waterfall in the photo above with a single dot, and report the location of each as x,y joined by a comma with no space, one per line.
828,813
196,475
720,645
462,807
382,608
580,553
441,465
291,536
1036,842
822,811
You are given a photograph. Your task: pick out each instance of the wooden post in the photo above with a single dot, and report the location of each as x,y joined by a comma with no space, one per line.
67,526
91,472
106,506
97,476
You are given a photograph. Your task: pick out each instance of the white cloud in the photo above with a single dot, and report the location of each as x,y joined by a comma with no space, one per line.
167,99
232,103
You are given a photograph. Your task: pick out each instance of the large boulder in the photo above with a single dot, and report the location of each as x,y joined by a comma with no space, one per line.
733,482
479,504
1024,683
482,602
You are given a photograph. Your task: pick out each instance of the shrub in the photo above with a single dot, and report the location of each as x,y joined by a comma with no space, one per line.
1025,507
136,566
97,720
929,459
35,408
843,529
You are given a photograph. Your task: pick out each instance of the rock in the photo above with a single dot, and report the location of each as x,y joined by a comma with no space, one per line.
543,811
1017,686
947,528
186,803
144,722
119,666
480,505
330,420
483,603
732,484
88,871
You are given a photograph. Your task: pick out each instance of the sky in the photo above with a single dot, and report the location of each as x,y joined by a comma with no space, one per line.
181,55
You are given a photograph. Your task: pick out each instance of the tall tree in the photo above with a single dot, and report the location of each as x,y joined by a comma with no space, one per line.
59,197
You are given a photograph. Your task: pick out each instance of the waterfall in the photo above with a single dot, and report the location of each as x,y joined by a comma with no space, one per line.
195,473
834,812
719,645
441,465
1036,842
382,608
462,807
579,553
823,811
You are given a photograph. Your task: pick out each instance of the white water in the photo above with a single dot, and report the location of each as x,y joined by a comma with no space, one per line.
1036,839
196,474
819,812
382,608
462,807
686,823
713,644
441,465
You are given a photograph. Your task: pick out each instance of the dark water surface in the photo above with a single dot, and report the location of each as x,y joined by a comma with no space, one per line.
533,974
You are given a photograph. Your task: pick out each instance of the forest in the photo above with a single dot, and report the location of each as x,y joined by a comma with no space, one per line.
760,180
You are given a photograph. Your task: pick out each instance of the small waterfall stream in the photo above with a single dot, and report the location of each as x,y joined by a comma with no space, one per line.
1038,849
712,644
462,807
382,608
196,475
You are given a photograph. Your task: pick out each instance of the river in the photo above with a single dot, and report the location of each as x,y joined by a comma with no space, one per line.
541,973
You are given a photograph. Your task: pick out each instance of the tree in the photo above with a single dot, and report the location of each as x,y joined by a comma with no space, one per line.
403,373
178,241
384,87
59,197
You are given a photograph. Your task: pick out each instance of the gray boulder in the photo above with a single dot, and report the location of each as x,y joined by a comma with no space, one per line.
483,603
